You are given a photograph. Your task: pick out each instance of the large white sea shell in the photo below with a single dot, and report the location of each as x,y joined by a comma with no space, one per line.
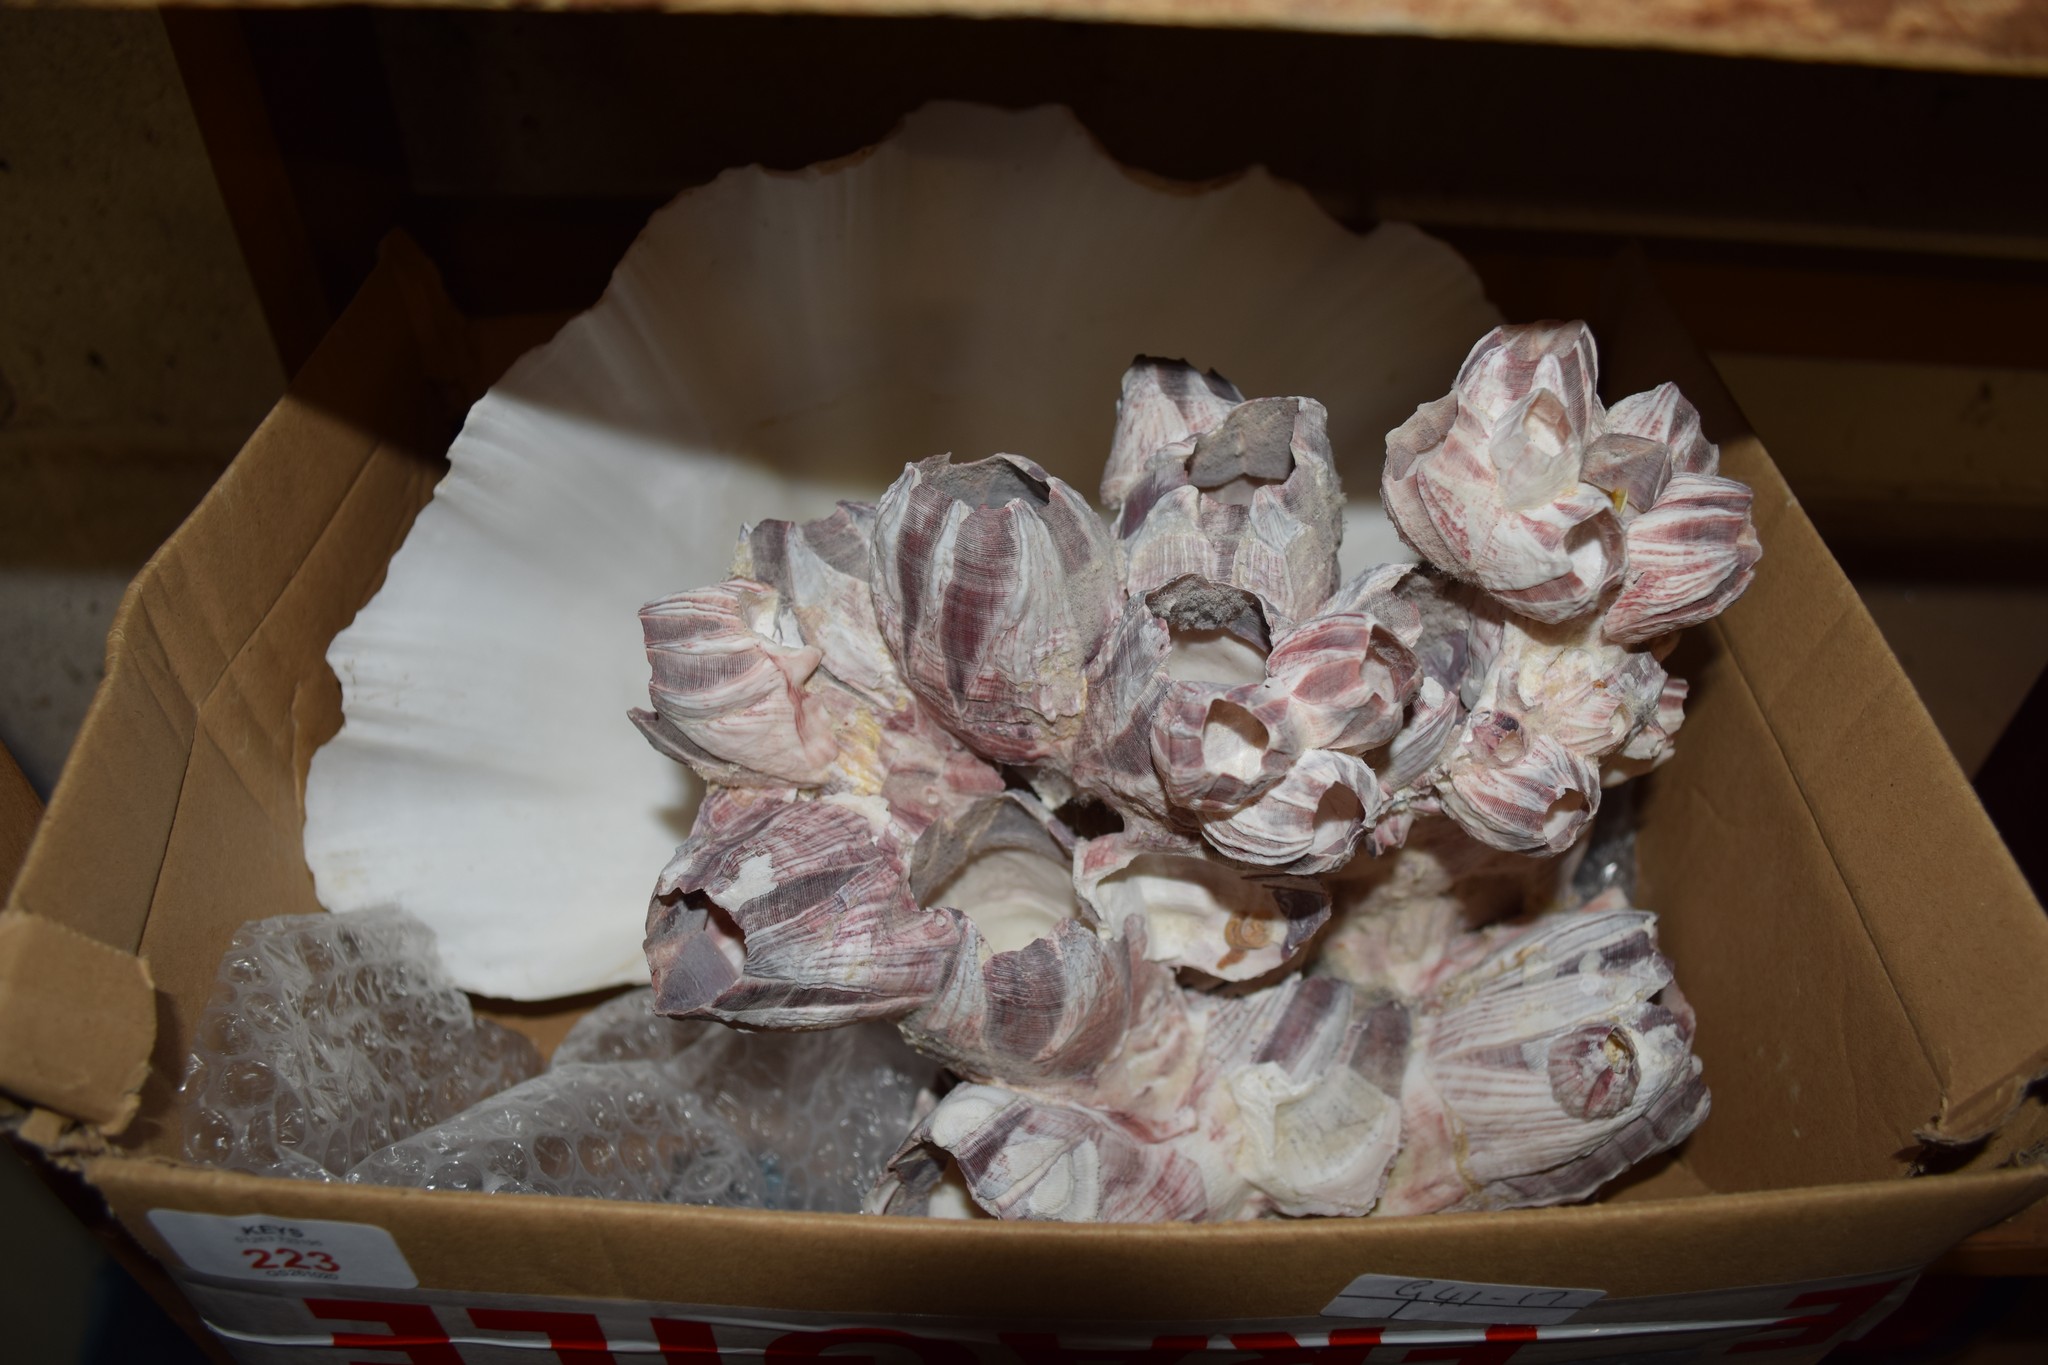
773,343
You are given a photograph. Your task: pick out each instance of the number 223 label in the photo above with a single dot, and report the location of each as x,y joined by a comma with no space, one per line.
261,1246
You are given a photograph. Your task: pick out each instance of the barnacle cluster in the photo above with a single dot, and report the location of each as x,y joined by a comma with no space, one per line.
1071,799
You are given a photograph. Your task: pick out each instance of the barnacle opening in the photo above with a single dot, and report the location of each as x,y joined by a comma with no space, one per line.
1213,656
1535,452
703,952
1594,1071
1234,741
1014,896
1586,546
1337,815
1189,904
1565,814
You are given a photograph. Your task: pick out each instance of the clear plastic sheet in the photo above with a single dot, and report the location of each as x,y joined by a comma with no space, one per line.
330,1036
637,1106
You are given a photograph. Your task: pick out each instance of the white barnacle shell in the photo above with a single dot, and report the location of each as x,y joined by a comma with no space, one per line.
1168,730
1546,1067
731,687
820,573
927,774
1026,1157
1652,744
822,570
1396,919
1126,685
1515,789
1689,556
1309,823
1163,403
792,913
1253,501
1305,1078
1342,678
1663,415
995,584
1486,483
1002,862
1035,997
1447,657
1551,704
1196,909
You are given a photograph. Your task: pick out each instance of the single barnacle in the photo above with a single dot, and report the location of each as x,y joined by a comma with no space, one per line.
823,569
1306,1076
1253,501
1341,679
1024,1157
1197,910
1035,996
789,913
1168,731
1211,754
1515,790
1559,1055
731,687
1163,403
1664,416
1396,918
1486,483
1309,823
1691,555
1525,772
994,584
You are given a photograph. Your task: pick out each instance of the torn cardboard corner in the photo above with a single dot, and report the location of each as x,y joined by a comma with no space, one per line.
79,1018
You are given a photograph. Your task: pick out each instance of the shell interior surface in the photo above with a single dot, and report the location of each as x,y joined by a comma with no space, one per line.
771,345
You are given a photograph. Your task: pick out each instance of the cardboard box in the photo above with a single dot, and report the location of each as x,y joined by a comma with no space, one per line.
1865,960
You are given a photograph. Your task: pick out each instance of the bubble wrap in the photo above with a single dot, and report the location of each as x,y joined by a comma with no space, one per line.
329,1036
607,1130
626,1029
640,1107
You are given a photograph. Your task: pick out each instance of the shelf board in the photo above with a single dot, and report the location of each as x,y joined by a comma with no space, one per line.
1990,36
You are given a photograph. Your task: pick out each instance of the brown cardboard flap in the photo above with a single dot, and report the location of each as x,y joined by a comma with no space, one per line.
194,738
530,1244
78,1019
1960,938
192,613
1959,933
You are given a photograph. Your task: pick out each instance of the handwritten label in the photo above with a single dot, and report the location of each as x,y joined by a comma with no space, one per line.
262,1246
1398,1298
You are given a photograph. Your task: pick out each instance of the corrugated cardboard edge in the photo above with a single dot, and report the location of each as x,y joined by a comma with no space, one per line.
1264,1268
79,1020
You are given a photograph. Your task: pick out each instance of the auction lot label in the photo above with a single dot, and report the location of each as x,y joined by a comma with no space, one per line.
294,1251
